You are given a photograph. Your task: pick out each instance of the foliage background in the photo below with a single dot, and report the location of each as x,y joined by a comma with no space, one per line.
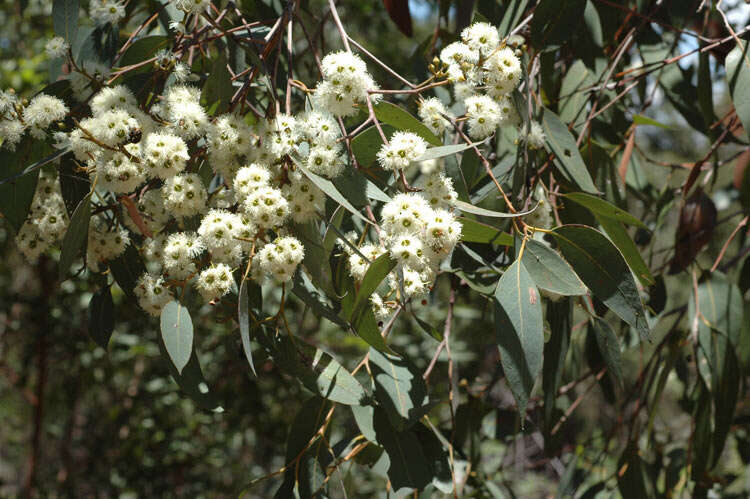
82,421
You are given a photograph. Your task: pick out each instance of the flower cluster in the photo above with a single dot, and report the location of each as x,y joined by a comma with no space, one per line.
485,70
345,84
203,196
418,231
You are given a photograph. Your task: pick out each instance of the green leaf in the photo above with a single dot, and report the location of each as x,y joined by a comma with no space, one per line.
308,293
65,19
600,207
308,474
376,272
318,371
101,317
639,119
609,347
559,316
143,49
17,191
191,381
603,269
519,331
243,306
593,23
561,142
74,185
76,235
475,210
512,16
177,333
400,119
627,247
407,466
399,388
477,232
327,186
738,79
316,255
549,271
367,143
217,91
442,151
126,269
555,21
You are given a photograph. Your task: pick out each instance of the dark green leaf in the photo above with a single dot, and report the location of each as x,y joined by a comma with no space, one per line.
475,210
609,347
191,381
307,473
512,16
639,119
318,371
76,235
177,333
101,317
603,270
143,49
367,143
243,305
408,467
593,23
549,271
307,292
519,331
442,151
559,316
599,206
477,232
65,19
16,195
399,388
126,269
74,185
555,21
561,142
376,272
738,79
327,186
217,92
400,119
627,247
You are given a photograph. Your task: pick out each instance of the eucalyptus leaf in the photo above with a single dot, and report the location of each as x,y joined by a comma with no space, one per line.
177,333
519,331
604,271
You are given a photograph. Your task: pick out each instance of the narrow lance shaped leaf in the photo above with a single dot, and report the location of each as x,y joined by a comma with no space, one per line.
627,247
477,232
442,151
563,145
549,271
603,208
738,78
519,331
327,186
76,235
65,19
401,120
177,333
468,208
376,272
399,388
101,317
244,320
603,269
609,347
318,371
